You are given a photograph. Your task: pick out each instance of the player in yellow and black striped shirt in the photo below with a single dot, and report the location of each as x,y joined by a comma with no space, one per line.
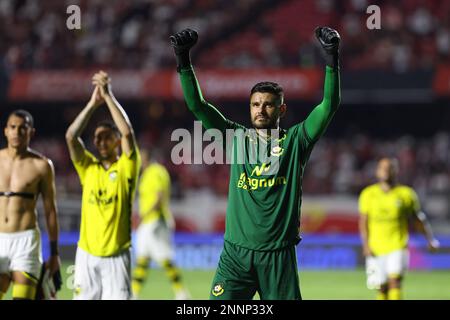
154,234
387,209
102,266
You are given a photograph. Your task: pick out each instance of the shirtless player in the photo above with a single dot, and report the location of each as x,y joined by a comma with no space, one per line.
24,174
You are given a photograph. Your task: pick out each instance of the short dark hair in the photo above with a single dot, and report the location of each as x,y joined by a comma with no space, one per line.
110,125
270,87
24,114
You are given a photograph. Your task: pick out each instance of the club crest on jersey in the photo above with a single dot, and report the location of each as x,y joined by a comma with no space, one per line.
218,290
276,151
113,176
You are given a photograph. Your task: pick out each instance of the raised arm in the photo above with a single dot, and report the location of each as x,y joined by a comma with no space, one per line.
73,133
120,118
182,42
318,120
48,192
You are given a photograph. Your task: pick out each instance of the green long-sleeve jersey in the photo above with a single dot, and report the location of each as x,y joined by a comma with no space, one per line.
265,191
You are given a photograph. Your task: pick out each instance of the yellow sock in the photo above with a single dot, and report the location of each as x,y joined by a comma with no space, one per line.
394,294
381,296
24,291
173,274
139,275
136,286
177,286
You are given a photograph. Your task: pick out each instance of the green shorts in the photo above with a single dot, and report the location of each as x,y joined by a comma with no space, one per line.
243,272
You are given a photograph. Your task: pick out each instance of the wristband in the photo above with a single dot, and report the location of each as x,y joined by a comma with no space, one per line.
183,60
54,248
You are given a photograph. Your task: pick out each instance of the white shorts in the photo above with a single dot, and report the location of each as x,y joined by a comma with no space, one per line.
21,251
102,278
154,240
380,268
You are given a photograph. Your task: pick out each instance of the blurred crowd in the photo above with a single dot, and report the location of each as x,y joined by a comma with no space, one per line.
134,34
413,35
347,165
337,165
115,33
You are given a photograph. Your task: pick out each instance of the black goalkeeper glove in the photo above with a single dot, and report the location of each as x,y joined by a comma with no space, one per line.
182,42
48,286
329,39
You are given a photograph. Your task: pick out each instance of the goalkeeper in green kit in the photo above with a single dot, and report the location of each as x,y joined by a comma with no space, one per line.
263,212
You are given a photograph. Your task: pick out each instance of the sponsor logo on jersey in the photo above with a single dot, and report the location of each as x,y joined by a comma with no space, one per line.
259,170
248,183
101,198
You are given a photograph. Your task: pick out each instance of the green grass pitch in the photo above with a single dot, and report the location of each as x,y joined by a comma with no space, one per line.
315,285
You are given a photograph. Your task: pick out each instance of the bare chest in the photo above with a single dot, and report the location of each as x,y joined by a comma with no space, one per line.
19,176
